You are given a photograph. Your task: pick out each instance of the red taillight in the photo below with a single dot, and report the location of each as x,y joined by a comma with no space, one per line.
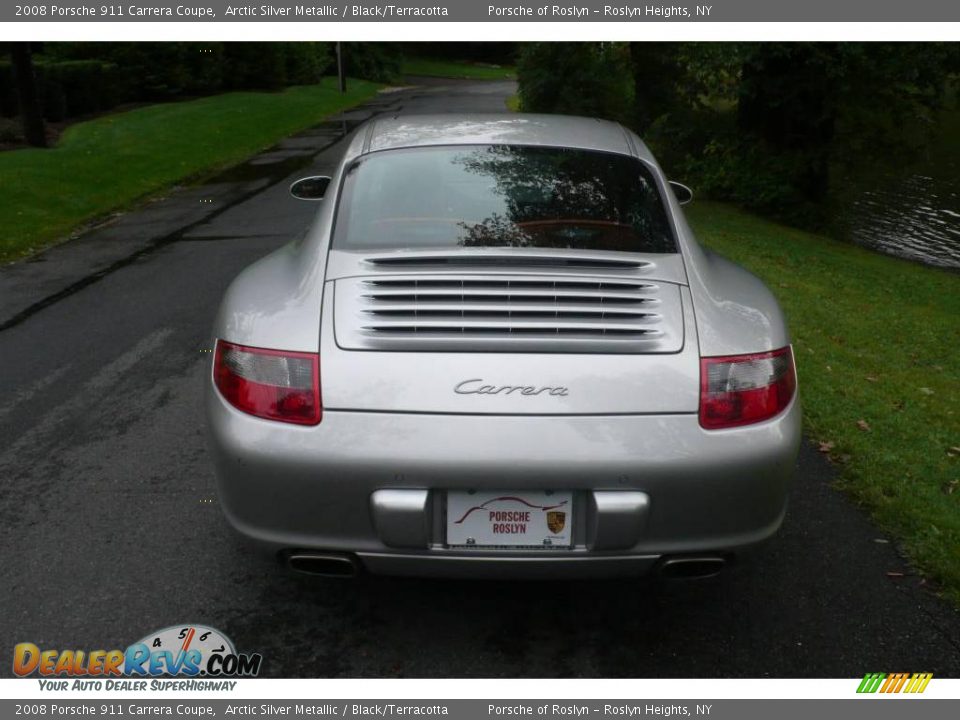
745,389
271,384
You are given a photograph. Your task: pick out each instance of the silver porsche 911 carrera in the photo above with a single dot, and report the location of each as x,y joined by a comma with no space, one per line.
500,351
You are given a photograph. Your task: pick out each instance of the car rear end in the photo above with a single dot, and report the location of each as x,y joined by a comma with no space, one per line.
528,400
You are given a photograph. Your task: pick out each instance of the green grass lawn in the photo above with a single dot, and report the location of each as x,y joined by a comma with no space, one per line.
876,342
109,163
453,69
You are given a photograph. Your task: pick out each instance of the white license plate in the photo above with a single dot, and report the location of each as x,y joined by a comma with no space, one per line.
509,518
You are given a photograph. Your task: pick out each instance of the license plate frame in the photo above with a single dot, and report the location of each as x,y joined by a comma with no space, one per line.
510,519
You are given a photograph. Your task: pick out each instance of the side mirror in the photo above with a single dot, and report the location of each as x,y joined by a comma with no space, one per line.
310,188
681,192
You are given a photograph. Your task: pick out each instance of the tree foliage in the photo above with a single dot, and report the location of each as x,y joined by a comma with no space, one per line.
763,124
576,79
79,78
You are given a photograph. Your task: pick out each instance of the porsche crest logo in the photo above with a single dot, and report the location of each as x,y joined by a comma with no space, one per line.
556,519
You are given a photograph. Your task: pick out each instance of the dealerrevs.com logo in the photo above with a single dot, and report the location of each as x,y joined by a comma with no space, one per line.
184,651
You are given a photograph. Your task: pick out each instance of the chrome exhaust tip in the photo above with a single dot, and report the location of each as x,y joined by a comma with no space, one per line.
322,564
693,567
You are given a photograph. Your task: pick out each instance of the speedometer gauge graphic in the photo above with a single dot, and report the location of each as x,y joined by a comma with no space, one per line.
185,648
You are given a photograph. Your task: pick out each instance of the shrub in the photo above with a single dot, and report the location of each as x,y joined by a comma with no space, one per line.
82,86
576,79
378,62
307,62
10,131
8,90
152,71
75,79
65,88
254,66
204,65
149,72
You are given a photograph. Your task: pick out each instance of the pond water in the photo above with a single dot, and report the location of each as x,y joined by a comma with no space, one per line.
909,209
915,216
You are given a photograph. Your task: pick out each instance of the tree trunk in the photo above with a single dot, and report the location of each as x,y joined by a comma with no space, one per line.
341,70
30,113
655,72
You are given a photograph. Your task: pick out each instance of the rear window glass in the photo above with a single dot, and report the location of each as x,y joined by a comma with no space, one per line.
501,196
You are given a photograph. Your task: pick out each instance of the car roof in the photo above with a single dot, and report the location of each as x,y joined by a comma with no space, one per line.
403,131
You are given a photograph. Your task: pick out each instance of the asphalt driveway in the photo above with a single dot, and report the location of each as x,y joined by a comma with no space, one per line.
109,525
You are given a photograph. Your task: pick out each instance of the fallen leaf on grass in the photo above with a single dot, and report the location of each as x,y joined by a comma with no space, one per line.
826,446
863,425
926,391
871,378
950,487
953,451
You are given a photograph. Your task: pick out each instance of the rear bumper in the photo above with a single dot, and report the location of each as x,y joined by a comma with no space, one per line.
372,485
585,566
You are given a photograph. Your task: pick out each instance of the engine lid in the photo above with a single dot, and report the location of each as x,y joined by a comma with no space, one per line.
558,339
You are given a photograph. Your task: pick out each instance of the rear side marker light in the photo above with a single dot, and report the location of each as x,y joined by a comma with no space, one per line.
745,389
271,384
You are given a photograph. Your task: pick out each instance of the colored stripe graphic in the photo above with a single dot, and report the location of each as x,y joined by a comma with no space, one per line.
870,683
898,683
894,683
919,682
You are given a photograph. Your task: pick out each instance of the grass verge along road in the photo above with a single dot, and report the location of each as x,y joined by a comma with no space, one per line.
876,343
108,163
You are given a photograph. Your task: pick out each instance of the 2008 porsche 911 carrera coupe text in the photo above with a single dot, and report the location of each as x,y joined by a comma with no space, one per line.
501,351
